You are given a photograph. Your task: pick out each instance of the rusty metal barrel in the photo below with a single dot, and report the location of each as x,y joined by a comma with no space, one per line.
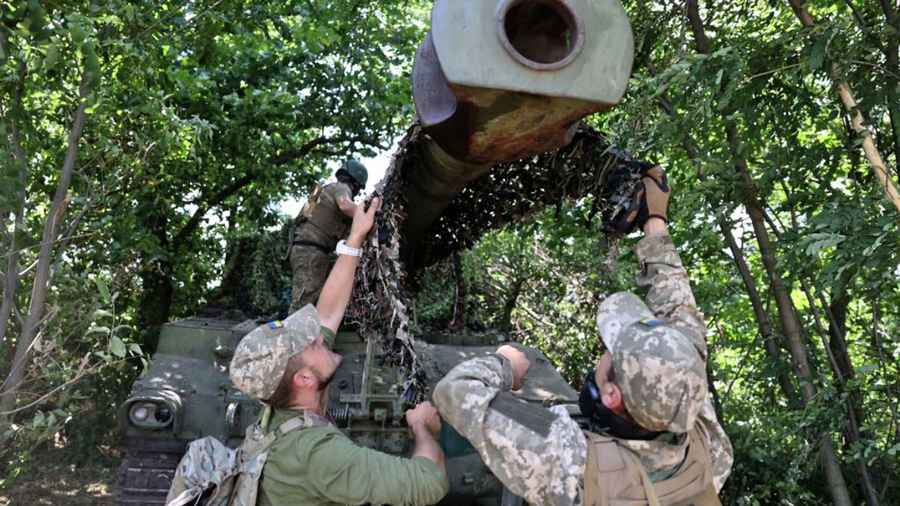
501,80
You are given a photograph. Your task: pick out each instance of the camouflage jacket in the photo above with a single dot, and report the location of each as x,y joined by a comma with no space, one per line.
547,467
321,221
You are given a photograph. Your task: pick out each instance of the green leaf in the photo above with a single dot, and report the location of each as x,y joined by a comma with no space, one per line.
819,241
122,328
103,288
117,347
102,313
874,246
817,53
52,56
76,30
97,330
866,369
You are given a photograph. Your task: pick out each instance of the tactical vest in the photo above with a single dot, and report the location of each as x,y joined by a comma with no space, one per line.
322,211
614,476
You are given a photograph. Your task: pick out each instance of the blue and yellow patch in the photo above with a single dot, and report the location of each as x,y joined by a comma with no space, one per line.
652,322
275,324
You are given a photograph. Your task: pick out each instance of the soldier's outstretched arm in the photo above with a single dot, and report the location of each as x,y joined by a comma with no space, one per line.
338,287
343,198
346,205
538,454
669,296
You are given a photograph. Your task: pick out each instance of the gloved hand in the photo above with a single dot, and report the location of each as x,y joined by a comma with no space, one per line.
651,200
656,196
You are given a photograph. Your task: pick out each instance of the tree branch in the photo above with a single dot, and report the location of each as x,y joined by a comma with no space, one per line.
862,129
40,286
306,149
700,38
298,153
205,204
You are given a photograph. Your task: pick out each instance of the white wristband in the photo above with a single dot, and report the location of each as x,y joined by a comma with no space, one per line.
343,249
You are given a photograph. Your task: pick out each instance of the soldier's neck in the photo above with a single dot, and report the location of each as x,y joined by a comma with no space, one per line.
313,402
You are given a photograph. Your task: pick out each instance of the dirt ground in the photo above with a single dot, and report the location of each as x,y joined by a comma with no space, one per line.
50,483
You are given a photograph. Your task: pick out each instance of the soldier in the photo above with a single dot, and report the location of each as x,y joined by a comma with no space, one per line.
288,365
324,220
654,437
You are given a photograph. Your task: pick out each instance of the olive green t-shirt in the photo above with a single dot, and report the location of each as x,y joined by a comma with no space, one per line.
321,466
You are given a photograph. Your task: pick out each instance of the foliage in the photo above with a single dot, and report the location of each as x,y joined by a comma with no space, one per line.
83,364
203,114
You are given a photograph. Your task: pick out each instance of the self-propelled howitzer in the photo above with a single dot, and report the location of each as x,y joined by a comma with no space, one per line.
500,88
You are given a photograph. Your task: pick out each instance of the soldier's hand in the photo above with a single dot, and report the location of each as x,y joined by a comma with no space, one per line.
656,186
424,415
363,220
519,361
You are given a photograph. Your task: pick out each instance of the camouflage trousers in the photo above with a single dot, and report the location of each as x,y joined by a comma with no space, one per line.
310,266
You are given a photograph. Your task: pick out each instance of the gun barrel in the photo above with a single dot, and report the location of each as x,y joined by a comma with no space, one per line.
498,81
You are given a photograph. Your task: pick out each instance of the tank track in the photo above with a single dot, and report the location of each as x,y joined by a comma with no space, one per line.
147,470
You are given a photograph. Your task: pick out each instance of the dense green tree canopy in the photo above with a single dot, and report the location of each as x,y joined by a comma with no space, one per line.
200,116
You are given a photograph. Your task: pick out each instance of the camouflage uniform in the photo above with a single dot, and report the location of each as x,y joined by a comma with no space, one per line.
318,228
659,366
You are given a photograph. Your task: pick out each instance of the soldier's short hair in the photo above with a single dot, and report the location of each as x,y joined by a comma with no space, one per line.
282,397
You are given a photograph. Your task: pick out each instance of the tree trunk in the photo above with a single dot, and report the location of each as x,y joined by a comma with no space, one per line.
10,284
157,287
155,304
892,68
836,346
855,414
856,118
40,286
509,304
458,322
764,324
11,281
790,322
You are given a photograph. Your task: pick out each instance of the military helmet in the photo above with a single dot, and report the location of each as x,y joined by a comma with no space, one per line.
356,170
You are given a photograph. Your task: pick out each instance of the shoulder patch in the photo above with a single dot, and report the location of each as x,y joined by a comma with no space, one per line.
534,417
275,324
652,322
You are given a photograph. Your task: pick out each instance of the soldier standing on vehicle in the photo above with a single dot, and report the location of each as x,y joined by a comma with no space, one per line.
288,365
323,222
654,437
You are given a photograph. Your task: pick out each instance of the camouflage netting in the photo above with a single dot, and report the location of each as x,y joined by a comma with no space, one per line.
256,281
510,192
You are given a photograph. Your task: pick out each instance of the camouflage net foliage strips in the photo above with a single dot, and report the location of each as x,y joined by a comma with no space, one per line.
510,192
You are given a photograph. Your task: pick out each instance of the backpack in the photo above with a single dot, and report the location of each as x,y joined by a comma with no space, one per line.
221,476
614,476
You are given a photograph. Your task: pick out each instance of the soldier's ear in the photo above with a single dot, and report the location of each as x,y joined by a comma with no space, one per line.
611,396
304,378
